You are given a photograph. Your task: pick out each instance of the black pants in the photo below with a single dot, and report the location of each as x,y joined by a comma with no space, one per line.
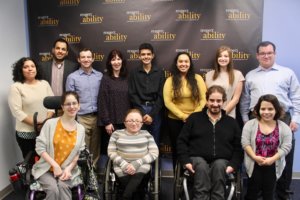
284,182
175,127
26,145
263,179
131,184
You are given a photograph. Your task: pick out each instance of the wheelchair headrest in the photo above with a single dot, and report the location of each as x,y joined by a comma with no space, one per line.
52,102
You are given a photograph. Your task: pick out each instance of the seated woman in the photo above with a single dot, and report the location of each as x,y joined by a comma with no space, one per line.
266,141
58,145
132,151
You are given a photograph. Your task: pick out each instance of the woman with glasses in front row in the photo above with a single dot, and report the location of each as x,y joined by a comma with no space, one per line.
132,151
58,145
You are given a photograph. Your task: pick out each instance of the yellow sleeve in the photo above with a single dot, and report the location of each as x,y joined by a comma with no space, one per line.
168,99
202,92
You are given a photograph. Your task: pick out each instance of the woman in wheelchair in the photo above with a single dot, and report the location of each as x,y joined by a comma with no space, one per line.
132,151
58,146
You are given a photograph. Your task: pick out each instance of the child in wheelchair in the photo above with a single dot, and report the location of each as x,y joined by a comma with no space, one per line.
132,151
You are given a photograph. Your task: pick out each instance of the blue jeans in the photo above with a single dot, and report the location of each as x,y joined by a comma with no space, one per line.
154,128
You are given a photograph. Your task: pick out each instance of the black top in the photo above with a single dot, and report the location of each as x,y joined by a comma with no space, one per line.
113,100
199,137
146,87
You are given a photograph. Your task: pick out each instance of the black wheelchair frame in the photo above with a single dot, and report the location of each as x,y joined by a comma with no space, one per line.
234,184
111,184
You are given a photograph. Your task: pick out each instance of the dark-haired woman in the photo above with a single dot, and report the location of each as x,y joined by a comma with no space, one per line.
25,98
266,141
184,93
113,100
226,76
58,145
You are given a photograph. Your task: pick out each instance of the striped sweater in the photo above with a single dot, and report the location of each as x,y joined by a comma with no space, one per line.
139,149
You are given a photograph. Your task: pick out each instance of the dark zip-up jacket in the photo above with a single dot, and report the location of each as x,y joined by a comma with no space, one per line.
199,137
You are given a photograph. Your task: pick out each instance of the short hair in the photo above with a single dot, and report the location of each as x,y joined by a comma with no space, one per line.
84,49
216,88
61,40
264,44
68,93
134,110
146,46
274,101
17,71
113,53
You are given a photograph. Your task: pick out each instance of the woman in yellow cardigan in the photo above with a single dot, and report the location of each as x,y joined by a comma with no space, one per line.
184,93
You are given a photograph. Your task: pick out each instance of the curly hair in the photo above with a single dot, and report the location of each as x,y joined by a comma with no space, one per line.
190,77
17,72
112,54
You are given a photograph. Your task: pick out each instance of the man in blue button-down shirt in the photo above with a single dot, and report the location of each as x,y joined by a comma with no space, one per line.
86,82
271,78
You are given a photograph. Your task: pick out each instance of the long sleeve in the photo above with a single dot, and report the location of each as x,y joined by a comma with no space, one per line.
168,99
294,94
103,102
15,103
245,102
202,90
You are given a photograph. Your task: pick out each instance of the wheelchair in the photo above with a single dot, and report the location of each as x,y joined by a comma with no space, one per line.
150,184
87,187
182,183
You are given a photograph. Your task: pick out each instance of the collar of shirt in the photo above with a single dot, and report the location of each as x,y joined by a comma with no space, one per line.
58,65
274,67
213,121
81,71
153,69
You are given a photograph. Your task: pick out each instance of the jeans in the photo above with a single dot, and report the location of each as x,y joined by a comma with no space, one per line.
154,128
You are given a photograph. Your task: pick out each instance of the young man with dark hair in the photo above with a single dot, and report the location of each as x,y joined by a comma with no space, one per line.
145,90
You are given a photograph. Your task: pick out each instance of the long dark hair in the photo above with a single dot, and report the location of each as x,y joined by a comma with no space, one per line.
112,54
190,77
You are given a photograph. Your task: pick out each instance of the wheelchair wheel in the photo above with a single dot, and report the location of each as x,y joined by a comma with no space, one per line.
155,182
109,191
239,186
178,182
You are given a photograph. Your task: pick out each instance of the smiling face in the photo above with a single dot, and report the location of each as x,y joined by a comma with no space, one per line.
146,56
223,59
133,122
214,103
267,111
183,64
116,63
266,56
86,59
29,70
60,51
70,106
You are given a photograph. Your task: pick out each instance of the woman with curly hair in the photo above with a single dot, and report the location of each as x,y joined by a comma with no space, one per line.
25,98
184,93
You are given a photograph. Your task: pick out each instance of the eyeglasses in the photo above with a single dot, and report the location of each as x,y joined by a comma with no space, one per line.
263,54
133,121
71,104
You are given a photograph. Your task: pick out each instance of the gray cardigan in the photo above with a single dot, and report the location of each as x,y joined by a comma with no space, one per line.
285,145
44,143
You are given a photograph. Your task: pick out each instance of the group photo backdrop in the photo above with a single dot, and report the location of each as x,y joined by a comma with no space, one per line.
171,26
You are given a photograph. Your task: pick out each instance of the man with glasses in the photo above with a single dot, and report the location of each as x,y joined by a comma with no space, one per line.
271,78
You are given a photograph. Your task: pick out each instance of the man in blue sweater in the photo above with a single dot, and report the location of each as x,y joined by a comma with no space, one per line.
209,147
